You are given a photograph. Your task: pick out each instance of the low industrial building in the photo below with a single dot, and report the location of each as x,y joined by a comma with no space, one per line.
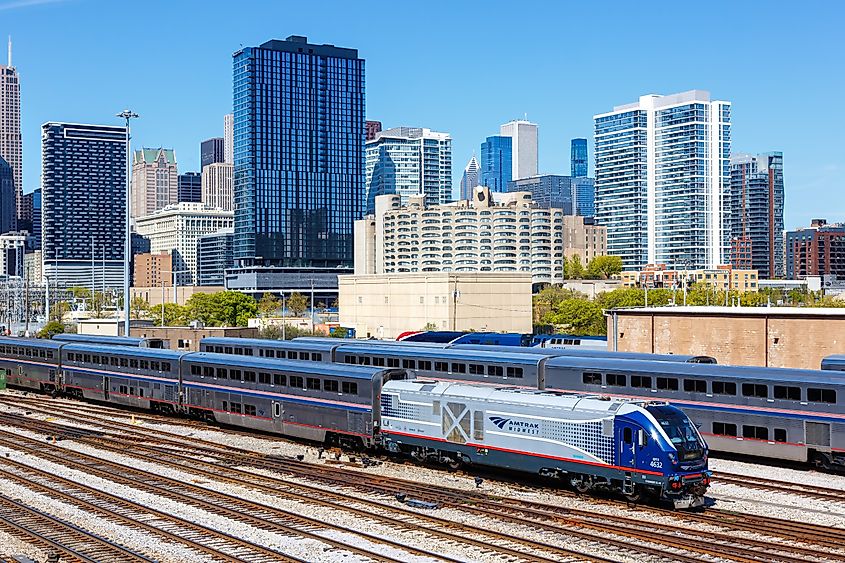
186,338
795,337
386,305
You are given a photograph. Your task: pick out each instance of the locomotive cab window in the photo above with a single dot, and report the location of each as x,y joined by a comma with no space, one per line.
815,395
628,435
591,378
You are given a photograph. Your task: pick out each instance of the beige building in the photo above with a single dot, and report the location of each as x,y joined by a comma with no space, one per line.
186,338
151,270
721,278
176,229
229,138
795,337
155,180
386,305
217,187
32,267
491,233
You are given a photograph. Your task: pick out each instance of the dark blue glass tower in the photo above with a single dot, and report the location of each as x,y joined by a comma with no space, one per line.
298,154
578,158
190,187
8,210
496,163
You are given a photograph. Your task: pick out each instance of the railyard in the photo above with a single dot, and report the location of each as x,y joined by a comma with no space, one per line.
128,486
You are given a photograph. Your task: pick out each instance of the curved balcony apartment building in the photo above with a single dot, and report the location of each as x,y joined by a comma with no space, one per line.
502,233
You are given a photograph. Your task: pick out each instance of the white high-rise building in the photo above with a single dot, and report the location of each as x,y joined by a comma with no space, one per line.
229,138
10,125
176,230
217,190
409,161
662,183
523,134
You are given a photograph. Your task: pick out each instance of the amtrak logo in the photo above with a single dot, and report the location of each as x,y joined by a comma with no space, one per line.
517,426
499,421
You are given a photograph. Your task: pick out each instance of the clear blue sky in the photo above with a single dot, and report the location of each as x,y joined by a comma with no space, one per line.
457,66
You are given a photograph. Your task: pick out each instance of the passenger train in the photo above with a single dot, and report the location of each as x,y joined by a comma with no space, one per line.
778,413
836,362
632,447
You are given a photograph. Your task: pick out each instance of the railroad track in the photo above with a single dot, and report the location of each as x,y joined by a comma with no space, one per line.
54,534
773,485
273,518
675,538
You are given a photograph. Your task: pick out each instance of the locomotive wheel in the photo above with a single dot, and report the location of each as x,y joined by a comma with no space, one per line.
636,496
581,486
820,461
454,464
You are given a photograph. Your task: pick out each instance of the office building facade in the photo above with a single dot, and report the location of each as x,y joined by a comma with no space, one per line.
547,190
756,197
488,233
524,144
217,186
371,128
409,161
155,180
214,257
176,229
152,270
471,178
228,138
8,203
190,187
211,151
11,147
578,158
817,250
662,184
496,163
299,154
584,196
84,204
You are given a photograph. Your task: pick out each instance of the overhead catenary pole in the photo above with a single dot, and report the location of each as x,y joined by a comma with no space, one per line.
127,256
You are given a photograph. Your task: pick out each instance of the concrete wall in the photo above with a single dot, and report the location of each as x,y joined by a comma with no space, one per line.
386,305
796,338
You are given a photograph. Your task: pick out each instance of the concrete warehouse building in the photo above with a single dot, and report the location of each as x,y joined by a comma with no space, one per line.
386,305
794,337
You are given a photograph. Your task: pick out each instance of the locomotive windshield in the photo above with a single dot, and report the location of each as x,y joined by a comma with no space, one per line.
681,431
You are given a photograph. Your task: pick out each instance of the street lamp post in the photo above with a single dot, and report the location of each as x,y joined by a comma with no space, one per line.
127,256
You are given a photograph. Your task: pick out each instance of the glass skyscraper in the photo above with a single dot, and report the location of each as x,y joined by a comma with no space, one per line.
190,187
298,152
84,204
578,158
496,162
662,183
549,191
583,196
757,213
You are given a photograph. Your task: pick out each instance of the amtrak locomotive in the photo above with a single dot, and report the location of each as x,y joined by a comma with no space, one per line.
591,441
777,413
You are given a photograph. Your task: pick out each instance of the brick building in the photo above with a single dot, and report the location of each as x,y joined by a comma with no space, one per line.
816,250
753,336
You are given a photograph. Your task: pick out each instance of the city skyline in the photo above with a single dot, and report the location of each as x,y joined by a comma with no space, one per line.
182,118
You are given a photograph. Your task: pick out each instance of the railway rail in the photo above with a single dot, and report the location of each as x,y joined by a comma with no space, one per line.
53,534
670,539
827,494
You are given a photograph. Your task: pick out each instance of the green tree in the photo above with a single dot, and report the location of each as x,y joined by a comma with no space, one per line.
98,305
79,292
603,267
58,310
297,303
269,304
576,268
340,332
200,307
138,307
233,308
578,316
51,329
174,315
429,326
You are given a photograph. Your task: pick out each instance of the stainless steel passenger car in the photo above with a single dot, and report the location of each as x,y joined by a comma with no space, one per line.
29,363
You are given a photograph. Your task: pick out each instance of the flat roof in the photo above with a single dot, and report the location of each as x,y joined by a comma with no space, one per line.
736,311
